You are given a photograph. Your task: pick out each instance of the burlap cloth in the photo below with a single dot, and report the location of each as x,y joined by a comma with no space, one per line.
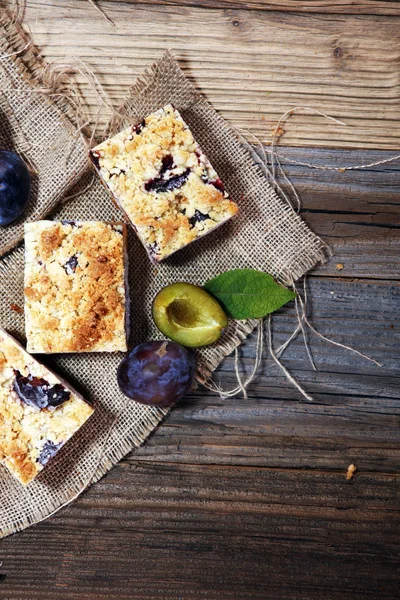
267,235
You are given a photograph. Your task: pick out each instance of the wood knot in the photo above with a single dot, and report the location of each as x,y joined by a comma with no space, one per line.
235,23
338,52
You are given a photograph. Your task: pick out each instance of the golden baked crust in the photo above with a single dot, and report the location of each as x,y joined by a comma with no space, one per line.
163,182
75,292
30,436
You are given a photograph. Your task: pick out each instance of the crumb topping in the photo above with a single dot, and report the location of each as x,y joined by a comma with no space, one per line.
163,182
30,436
75,297
351,469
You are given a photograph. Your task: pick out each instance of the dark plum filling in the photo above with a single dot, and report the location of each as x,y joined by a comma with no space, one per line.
139,127
166,185
71,264
95,158
197,218
121,172
38,392
219,185
153,248
48,451
167,164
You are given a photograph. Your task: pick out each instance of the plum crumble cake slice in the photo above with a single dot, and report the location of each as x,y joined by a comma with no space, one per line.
76,289
163,182
39,411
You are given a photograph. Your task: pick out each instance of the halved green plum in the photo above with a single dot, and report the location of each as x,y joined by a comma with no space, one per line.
188,315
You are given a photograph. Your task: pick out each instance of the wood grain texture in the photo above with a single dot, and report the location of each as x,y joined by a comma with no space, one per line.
354,7
356,212
239,499
215,532
247,499
253,65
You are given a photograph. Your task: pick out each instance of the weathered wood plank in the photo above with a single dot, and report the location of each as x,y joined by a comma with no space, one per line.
160,531
356,212
356,7
252,65
237,499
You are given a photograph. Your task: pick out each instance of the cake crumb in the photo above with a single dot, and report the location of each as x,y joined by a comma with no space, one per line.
351,469
16,308
278,131
339,266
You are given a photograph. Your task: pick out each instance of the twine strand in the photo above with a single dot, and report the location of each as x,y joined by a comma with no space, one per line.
282,367
324,337
330,168
288,114
285,345
263,165
238,376
103,14
211,385
301,318
275,156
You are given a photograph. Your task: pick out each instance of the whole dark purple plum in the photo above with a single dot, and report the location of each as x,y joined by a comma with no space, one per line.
15,183
157,373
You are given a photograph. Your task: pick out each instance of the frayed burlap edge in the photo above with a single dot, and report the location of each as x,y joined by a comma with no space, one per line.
31,66
17,45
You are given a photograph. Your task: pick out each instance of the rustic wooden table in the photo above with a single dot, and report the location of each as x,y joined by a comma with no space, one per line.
237,499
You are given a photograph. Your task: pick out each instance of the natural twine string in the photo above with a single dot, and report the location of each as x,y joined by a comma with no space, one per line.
342,169
281,366
303,331
242,385
103,14
302,321
300,304
288,114
263,164
303,303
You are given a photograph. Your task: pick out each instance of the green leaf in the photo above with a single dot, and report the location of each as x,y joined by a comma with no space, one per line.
248,294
